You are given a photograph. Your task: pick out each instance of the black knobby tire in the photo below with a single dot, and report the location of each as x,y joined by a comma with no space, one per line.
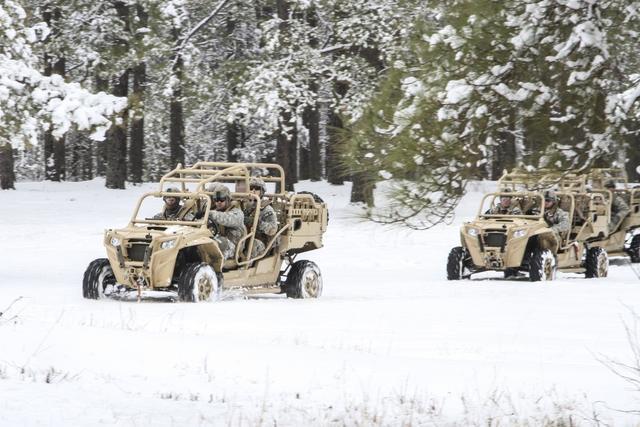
596,263
634,249
304,280
455,263
97,278
197,282
542,265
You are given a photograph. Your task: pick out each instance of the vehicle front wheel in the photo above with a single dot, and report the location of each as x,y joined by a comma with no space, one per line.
455,263
197,282
597,263
542,265
98,279
304,280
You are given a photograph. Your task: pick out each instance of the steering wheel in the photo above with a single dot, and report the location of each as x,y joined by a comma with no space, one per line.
211,225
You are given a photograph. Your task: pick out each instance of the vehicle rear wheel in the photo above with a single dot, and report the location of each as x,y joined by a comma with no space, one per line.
455,263
597,263
634,249
98,279
304,280
197,282
542,265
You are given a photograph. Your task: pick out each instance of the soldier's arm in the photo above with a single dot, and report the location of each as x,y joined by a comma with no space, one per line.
623,208
233,218
563,224
268,221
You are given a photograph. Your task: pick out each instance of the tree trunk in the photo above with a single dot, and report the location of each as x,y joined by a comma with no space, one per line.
311,121
362,189
54,148
7,174
335,172
176,113
136,147
233,136
102,85
287,149
116,149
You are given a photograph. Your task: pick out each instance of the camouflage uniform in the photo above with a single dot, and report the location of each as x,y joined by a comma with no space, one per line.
229,222
267,225
168,214
507,210
619,210
557,219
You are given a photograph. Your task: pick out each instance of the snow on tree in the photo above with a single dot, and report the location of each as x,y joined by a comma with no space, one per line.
30,101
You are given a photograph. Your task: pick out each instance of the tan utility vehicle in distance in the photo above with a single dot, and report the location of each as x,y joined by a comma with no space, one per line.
526,243
624,237
180,259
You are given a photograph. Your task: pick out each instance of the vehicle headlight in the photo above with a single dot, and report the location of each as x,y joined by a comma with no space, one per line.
115,241
168,244
520,233
472,232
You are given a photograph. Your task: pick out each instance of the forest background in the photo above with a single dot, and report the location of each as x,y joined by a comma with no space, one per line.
425,94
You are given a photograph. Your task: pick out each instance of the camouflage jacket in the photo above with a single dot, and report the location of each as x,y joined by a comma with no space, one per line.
499,210
230,223
619,208
557,219
267,223
169,215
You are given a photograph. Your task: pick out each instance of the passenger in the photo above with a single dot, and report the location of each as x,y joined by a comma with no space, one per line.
556,218
171,208
619,208
505,206
267,222
226,218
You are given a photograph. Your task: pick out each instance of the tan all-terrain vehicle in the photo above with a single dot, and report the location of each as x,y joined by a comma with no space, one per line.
180,259
526,243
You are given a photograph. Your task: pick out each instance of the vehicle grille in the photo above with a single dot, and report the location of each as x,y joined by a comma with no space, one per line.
136,249
495,239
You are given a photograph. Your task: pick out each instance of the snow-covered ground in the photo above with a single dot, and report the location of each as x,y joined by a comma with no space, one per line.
390,342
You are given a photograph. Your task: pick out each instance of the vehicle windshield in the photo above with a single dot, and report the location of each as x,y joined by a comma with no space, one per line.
188,210
510,204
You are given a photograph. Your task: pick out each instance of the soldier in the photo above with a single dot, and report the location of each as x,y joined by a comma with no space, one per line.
505,206
267,222
619,208
226,218
556,218
171,206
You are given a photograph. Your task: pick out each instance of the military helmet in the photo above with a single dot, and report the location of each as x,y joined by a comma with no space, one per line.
611,184
507,196
550,195
171,190
257,183
219,191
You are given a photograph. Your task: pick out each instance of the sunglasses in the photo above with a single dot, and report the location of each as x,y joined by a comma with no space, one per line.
220,199
254,187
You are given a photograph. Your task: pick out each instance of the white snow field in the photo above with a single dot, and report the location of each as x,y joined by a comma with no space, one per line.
391,342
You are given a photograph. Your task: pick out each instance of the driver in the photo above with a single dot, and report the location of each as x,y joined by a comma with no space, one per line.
227,219
505,206
171,206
